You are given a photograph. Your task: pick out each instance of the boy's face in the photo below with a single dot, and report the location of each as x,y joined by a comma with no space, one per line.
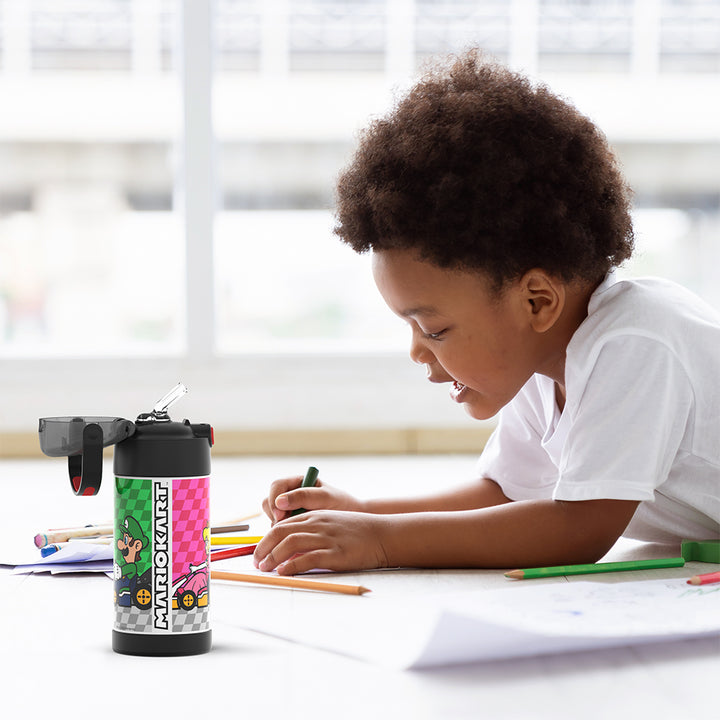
463,334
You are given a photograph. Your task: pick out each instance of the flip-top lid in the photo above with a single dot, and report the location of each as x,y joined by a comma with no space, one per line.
63,436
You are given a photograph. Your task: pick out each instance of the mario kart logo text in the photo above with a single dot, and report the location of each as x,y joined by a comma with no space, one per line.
161,557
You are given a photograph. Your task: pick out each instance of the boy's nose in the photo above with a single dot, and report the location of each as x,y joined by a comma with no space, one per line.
419,351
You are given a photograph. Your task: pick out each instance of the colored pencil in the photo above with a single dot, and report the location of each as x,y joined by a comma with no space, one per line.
595,568
228,528
59,536
289,582
705,579
56,535
308,481
49,550
236,540
232,552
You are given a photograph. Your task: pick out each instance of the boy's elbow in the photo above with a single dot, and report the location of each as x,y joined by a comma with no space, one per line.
594,526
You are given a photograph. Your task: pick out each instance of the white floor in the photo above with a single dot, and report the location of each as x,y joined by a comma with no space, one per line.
55,631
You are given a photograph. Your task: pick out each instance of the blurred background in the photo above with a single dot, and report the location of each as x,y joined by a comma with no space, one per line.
166,189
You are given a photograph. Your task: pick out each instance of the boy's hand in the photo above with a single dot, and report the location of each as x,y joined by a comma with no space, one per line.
325,540
286,495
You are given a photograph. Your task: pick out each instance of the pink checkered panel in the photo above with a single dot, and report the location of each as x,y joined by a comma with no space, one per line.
191,514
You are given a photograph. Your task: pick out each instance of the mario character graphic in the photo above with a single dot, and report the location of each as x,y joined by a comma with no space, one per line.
191,590
131,586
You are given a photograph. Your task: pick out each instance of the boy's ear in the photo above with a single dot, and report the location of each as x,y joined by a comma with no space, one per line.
543,298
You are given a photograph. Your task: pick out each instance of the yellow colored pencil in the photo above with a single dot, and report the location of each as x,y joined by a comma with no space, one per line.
236,540
289,582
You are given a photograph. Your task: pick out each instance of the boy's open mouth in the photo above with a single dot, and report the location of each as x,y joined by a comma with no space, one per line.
457,391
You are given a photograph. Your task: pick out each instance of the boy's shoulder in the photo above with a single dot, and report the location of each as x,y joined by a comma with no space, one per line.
640,317
652,307
649,345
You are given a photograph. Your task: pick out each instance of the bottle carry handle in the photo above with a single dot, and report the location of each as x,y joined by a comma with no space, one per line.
85,469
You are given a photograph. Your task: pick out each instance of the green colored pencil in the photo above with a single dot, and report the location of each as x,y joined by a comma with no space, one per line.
531,573
308,481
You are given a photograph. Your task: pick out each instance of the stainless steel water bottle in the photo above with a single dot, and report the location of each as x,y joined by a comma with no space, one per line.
162,532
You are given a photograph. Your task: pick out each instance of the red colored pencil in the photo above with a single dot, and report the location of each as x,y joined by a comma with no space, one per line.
705,579
233,552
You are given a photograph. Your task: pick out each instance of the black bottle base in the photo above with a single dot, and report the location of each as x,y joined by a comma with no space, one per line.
161,645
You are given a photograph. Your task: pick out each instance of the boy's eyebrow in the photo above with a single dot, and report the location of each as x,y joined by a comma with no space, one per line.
419,310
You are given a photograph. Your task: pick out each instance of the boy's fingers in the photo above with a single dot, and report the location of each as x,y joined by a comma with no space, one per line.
317,559
283,502
277,488
308,498
268,557
283,485
274,514
269,550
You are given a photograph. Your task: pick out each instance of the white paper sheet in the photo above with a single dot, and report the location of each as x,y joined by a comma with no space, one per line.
524,619
73,557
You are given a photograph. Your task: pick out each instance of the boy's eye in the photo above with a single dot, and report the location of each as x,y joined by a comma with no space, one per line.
435,335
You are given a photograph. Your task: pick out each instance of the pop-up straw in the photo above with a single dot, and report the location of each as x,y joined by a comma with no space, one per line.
160,410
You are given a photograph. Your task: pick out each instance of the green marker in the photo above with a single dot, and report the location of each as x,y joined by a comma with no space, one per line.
308,481
595,568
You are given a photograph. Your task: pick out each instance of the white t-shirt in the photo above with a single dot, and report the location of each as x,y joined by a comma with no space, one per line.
641,419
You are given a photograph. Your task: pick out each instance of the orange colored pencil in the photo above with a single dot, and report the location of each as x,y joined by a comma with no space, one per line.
289,582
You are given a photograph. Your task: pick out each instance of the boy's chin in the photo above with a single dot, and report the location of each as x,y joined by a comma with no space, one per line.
477,412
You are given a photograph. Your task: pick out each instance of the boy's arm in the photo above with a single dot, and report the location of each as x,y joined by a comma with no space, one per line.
478,494
286,495
518,534
528,533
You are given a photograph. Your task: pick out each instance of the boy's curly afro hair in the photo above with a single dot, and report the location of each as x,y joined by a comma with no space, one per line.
477,169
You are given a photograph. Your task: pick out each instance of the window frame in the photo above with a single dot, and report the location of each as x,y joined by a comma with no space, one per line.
301,390
254,391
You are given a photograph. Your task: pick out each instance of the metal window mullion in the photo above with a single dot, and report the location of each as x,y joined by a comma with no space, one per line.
146,55
524,25
646,38
16,40
198,179
400,40
275,38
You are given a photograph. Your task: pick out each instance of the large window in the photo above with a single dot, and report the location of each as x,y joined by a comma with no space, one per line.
92,250
166,188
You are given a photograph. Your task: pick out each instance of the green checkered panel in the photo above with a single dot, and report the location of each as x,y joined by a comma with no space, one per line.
134,498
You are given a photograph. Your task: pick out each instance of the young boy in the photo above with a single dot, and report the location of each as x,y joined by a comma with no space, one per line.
495,214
